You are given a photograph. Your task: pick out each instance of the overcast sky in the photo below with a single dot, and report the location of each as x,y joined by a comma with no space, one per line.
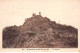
14,12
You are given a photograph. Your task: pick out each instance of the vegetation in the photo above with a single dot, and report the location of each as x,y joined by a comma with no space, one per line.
40,32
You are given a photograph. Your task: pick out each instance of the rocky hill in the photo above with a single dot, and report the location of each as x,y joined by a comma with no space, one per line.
40,32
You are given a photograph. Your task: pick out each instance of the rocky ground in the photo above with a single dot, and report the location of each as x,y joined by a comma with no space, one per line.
40,32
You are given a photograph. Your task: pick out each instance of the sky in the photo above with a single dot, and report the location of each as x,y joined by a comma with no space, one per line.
14,12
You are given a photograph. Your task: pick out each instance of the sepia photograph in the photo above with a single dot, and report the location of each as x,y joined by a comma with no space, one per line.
40,32
39,24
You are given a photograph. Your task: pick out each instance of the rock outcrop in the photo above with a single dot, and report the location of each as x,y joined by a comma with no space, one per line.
40,32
